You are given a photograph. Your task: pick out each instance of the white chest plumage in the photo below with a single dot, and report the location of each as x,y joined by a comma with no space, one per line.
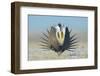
60,34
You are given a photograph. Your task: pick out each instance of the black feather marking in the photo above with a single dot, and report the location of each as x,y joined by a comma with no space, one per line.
73,39
44,39
72,48
72,36
66,40
45,35
74,42
70,31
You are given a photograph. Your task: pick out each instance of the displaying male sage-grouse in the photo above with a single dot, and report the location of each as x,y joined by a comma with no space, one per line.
58,39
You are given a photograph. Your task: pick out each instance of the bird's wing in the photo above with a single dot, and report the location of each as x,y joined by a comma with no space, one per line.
66,43
70,41
52,40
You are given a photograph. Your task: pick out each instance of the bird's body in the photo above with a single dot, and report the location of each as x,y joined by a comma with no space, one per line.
58,39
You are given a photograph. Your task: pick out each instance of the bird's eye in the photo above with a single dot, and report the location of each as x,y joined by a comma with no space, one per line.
61,34
58,35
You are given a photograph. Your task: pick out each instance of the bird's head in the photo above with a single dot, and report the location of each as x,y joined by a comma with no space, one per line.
60,33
